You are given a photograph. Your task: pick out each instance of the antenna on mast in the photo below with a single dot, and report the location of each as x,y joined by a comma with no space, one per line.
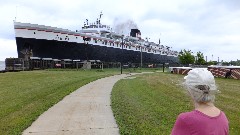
16,14
100,15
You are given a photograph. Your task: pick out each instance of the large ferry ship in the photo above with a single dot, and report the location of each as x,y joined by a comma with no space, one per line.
94,41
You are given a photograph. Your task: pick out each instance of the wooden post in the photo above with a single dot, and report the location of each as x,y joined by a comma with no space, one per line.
163,66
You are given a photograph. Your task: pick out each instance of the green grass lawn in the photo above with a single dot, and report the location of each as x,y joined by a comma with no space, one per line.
26,95
150,103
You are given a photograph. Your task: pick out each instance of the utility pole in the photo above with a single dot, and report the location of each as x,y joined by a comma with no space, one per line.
122,55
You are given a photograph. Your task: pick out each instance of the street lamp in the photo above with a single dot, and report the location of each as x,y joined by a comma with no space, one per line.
122,54
195,60
141,57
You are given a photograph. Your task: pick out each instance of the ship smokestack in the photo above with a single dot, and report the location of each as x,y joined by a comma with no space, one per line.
135,33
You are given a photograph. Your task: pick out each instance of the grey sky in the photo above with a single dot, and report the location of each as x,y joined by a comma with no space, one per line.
209,26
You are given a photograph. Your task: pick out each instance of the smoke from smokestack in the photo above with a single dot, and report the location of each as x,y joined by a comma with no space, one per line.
124,27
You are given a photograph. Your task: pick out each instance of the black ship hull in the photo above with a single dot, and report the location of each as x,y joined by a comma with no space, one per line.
71,50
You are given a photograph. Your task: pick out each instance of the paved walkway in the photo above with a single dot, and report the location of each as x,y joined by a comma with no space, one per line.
86,111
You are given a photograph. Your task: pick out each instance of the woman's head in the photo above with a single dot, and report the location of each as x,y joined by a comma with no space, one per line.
201,85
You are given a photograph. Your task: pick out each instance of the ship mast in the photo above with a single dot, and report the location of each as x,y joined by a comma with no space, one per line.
16,15
100,16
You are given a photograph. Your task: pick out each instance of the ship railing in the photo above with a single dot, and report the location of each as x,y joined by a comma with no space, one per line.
38,27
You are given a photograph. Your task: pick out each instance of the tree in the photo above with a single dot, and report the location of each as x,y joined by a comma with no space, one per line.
186,57
212,62
225,63
238,63
200,59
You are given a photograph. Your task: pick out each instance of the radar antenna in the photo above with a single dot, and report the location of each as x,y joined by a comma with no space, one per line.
87,21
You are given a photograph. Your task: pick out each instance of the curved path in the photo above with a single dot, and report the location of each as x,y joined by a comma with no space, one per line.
85,111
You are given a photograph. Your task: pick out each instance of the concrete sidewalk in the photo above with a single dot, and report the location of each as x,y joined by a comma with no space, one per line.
86,111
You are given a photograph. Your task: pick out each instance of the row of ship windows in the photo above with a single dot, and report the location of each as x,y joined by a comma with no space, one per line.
66,38
124,46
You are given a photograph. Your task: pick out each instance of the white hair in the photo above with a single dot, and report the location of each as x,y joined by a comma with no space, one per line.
201,85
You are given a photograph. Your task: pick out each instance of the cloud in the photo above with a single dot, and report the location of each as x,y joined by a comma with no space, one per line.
8,49
211,27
